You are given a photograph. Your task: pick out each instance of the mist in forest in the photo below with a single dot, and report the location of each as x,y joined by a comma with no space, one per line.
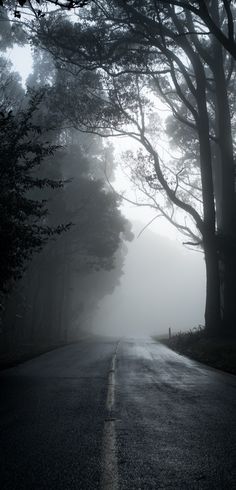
73,261
162,286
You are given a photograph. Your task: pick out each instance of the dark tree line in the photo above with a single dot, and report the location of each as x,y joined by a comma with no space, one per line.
55,202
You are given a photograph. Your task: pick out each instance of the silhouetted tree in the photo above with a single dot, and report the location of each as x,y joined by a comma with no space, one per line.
39,7
200,9
23,228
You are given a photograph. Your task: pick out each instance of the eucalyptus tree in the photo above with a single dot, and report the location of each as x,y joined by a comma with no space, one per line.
126,54
201,9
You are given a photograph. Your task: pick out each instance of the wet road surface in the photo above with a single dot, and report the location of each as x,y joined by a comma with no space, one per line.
109,414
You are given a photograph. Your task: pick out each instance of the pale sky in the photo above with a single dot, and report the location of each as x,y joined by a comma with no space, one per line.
22,61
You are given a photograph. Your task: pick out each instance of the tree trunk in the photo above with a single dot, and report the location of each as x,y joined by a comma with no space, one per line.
212,309
227,223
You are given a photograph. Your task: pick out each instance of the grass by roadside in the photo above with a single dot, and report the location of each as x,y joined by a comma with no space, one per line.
220,354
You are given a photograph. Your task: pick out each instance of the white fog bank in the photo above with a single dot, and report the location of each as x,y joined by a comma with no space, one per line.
163,286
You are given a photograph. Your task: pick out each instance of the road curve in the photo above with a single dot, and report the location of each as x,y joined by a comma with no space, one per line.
108,414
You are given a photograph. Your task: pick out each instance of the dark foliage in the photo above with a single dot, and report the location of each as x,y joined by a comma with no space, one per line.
23,225
36,5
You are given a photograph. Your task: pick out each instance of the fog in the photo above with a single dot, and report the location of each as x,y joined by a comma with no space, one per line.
163,285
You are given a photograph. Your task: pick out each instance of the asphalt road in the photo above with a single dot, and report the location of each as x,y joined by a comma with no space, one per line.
110,414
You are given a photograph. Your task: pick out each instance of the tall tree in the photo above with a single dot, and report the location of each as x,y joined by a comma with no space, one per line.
126,51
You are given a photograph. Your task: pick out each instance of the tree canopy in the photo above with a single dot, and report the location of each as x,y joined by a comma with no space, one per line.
125,56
